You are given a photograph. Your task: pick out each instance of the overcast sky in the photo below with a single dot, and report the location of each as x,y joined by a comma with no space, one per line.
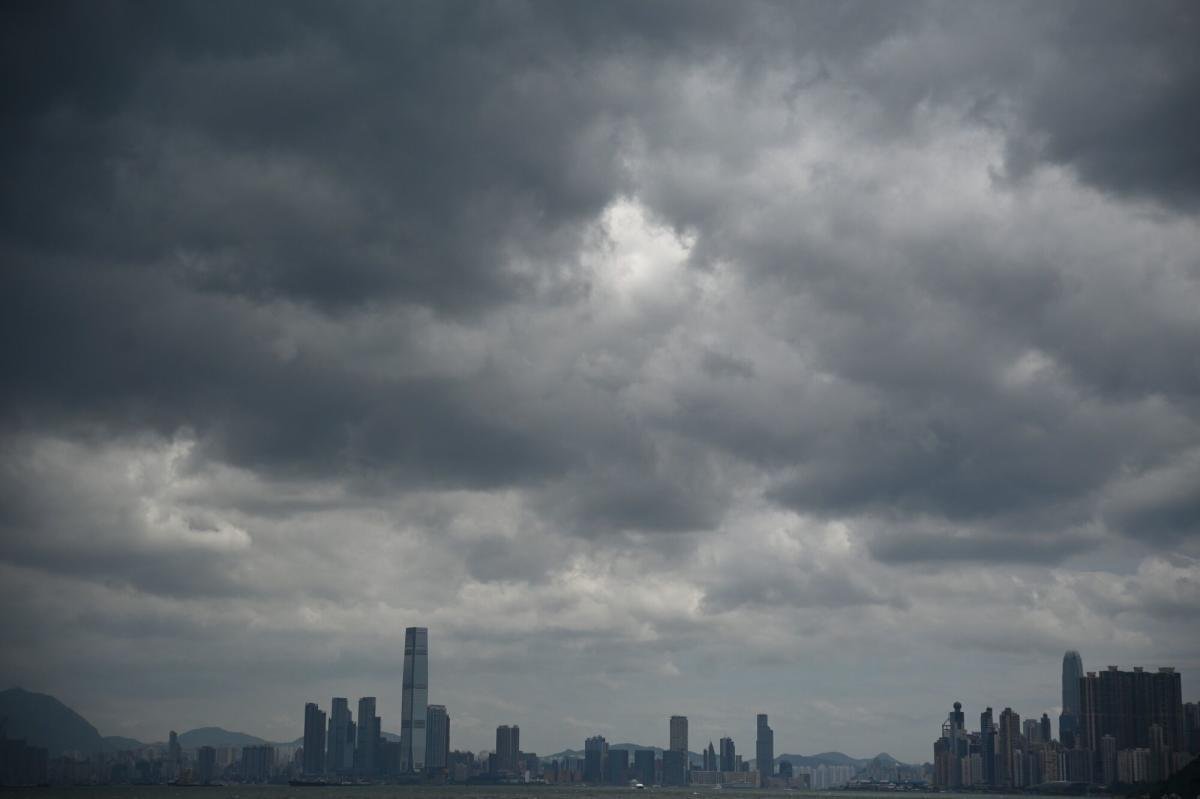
835,361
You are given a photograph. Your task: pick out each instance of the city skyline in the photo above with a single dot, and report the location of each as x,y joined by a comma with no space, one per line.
832,361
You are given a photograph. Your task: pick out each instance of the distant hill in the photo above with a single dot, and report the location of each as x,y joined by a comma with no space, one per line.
216,736
44,721
694,756
119,743
825,758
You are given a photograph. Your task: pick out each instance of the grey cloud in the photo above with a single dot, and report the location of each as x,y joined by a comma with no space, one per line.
366,263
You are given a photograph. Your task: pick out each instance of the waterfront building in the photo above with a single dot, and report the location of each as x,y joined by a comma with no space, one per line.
728,755
339,756
414,700
643,766
437,739
508,745
595,759
366,744
1125,704
1069,719
679,734
314,740
764,749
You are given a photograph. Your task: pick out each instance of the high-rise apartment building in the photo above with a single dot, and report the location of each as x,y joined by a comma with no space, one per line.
366,744
437,739
508,748
258,763
1124,704
1008,768
1045,731
679,734
314,740
595,759
339,754
1068,720
415,699
764,749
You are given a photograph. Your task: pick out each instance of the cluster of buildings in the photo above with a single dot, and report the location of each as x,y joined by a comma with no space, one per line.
1116,727
601,765
336,746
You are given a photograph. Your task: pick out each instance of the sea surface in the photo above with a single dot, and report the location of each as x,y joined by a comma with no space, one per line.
451,792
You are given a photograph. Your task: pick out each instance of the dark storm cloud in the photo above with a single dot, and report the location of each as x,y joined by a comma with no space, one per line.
1116,100
657,338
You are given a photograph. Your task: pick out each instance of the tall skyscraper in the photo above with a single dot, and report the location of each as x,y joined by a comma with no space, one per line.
709,757
508,747
1008,770
1068,721
987,746
415,700
679,734
437,739
728,755
366,745
595,759
676,762
1044,730
764,749
174,750
339,755
314,739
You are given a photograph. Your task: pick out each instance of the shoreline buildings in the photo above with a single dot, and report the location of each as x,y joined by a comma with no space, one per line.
1116,727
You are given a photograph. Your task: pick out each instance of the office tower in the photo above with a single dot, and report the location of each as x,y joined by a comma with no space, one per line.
1046,734
415,699
618,767
366,746
1124,704
314,740
1068,721
508,745
710,758
340,740
1032,730
679,734
764,749
437,739
174,750
643,766
1009,736
595,759
728,755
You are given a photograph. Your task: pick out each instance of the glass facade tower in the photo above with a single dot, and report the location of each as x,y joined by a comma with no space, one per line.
415,701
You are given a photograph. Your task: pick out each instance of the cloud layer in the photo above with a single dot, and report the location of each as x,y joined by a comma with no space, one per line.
643,352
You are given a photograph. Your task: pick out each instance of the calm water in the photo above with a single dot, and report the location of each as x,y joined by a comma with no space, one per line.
449,792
